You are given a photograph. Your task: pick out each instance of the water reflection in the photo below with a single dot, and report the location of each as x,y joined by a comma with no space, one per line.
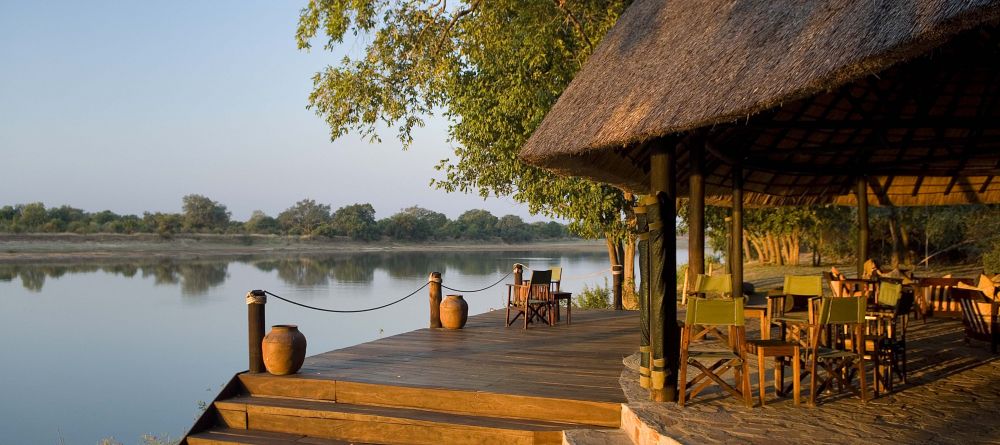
197,277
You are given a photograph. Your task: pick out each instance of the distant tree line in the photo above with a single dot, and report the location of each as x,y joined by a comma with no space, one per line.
306,218
907,236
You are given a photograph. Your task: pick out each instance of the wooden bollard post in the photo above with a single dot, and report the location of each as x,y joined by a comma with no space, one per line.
518,273
256,299
617,275
435,298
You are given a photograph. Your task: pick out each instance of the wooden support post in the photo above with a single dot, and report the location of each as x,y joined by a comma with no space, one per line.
664,331
518,273
696,214
617,272
863,233
435,298
736,233
256,299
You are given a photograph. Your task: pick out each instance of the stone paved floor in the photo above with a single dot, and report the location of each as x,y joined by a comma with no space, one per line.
952,396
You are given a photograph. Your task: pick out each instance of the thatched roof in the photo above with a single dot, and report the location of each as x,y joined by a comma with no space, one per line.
806,95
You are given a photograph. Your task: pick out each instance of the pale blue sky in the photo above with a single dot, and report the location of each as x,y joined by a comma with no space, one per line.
129,106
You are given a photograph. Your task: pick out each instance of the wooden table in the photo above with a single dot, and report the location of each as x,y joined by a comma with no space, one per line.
568,296
779,350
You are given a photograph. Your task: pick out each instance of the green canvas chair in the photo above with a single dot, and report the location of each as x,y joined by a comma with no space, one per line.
829,315
712,285
782,308
887,333
556,277
726,353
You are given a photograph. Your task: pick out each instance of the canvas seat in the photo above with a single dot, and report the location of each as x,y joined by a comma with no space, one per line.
714,357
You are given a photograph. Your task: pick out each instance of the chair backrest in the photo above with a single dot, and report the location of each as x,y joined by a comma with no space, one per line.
541,277
977,312
842,310
717,284
807,286
556,274
717,312
888,293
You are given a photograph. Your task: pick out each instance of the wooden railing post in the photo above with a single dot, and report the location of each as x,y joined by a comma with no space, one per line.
617,275
256,299
435,298
518,273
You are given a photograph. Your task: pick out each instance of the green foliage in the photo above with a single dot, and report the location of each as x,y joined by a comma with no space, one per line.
356,221
304,217
478,224
201,213
259,222
307,217
597,297
494,67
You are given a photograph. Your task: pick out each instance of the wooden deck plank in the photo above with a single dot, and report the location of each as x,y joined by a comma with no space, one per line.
581,361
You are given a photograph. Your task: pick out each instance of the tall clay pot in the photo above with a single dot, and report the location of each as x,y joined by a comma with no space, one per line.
454,312
284,349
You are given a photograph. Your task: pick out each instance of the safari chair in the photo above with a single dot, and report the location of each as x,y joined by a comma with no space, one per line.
533,300
886,340
718,285
556,277
826,315
790,303
726,353
979,315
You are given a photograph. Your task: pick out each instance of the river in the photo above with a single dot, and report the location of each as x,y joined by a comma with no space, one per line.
101,350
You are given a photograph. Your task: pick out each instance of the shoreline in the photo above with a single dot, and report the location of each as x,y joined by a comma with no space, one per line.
27,248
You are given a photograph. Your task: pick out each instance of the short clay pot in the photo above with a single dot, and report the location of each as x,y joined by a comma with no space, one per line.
284,349
454,312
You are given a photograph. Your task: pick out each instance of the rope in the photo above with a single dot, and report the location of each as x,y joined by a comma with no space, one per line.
348,311
478,290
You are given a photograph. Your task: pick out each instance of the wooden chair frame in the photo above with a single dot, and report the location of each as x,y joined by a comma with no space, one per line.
533,301
979,324
732,357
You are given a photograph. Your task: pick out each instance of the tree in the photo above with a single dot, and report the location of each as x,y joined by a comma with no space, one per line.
512,229
414,224
494,67
32,215
304,217
259,222
201,213
356,221
478,224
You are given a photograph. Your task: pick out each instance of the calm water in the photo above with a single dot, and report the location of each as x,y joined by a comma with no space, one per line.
117,350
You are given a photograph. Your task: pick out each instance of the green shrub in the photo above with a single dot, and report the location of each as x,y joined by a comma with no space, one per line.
597,297
991,260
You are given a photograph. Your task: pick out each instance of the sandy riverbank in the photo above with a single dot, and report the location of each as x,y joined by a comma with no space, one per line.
72,247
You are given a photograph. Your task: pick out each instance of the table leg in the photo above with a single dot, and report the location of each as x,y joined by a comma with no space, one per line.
760,376
779,376
796,375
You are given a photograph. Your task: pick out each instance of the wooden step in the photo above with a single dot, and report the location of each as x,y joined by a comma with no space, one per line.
229,436
584,412
381,424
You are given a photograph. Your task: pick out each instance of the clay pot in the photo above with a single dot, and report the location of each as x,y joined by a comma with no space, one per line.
284,349
454,312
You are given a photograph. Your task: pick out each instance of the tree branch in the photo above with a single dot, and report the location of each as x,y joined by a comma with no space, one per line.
454,19
561,4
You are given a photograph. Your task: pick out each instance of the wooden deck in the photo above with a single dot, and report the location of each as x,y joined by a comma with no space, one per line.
483,384
580,361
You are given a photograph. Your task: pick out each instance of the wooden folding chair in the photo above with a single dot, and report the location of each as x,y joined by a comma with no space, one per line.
727,353
533,300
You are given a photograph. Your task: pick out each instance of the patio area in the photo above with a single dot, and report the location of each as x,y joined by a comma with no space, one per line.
952,396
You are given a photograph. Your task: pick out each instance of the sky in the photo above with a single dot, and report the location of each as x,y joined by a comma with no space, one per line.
129,106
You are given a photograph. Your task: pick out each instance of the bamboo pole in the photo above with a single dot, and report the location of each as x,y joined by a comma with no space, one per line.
863,231
736,243
696,216
435,298
256,299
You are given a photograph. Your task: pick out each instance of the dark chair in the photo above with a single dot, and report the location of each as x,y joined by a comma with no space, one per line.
533,300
